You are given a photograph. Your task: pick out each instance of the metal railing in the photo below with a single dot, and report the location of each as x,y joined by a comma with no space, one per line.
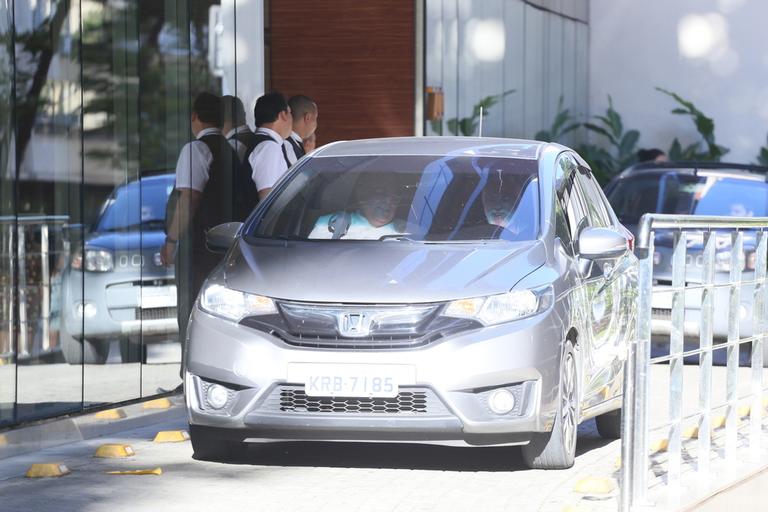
38,246
636,431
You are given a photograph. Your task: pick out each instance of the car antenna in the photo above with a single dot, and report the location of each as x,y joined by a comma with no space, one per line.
480,126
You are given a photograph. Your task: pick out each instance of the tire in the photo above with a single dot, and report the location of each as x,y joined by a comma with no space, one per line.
207,446
609,425
87,351
557,449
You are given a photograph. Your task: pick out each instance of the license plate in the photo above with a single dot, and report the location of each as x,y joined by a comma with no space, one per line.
352,380
152,297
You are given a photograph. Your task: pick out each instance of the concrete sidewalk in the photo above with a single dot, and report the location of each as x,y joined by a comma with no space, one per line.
748,496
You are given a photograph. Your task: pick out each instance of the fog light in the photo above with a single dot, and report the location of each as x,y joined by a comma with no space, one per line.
216,396
501,401
85,310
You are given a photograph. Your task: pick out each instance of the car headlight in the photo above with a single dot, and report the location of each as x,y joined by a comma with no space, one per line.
497,309
234,305
95,260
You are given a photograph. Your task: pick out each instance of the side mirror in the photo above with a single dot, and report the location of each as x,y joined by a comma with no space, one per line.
598,243
219,238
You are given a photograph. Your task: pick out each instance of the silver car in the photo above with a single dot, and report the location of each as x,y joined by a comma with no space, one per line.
458,291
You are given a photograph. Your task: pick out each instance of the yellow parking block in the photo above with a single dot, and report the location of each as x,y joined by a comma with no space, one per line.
160,403
718,421
765,402
617,463
155,471
3,440
744,411
595,485
110,414
113,451
576,508
47,469
171,436
660,445
691,432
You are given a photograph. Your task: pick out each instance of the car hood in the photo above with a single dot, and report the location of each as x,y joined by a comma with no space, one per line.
379,272
126,240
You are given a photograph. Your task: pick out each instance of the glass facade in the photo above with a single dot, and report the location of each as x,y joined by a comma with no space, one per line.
95,103
95,100
531,57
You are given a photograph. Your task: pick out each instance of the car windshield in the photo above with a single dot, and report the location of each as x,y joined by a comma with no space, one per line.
416,198
137,204
688,195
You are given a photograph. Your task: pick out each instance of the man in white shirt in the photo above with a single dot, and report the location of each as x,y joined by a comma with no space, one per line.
269,159
304,112
234,127
243,141
201,199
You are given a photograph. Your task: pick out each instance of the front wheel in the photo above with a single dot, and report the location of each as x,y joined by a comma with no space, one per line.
85,351
557,449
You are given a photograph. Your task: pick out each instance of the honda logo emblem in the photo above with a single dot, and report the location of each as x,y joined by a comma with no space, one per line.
354,325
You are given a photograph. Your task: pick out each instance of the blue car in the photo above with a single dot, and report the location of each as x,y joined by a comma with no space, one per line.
115,286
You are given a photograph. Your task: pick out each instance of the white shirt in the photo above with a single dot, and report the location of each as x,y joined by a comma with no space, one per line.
292,156
359,229
267,161
194,161
238,146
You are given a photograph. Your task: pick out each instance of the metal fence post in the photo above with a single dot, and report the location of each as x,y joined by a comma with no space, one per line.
758,333
705,358
676,349
732,378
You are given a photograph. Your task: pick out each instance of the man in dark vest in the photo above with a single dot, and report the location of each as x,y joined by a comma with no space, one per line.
243,141
305,113
269,159
200,201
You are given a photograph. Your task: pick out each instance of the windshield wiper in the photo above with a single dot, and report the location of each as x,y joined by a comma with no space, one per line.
400,237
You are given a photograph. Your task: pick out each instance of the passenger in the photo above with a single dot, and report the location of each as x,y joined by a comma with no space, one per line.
377,202
651,155
304,112
269,159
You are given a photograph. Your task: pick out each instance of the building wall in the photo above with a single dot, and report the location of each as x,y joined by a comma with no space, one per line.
710,52
537,50
356,60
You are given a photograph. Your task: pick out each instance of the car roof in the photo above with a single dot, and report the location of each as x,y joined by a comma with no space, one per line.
744,171
435,146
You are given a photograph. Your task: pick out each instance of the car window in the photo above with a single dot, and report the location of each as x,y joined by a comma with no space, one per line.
136,204
423,198
686,194
570,202
593,200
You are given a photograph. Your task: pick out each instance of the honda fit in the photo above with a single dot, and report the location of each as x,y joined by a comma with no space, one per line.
458,291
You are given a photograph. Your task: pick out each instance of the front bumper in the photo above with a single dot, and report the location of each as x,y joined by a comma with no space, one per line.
661,312
446,403
119,304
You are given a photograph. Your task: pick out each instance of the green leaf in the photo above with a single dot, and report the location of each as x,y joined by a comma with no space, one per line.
453,126
628,144
468,127
543,136
602,131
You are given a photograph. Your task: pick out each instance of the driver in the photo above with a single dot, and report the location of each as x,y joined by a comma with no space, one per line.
500,200
377,201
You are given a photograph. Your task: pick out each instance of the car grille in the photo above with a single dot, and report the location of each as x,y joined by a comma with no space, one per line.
410,401
155,313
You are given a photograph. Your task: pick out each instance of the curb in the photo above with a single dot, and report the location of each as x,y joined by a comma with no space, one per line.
57,432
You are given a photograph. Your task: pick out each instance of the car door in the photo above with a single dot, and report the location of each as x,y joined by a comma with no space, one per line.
604,282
